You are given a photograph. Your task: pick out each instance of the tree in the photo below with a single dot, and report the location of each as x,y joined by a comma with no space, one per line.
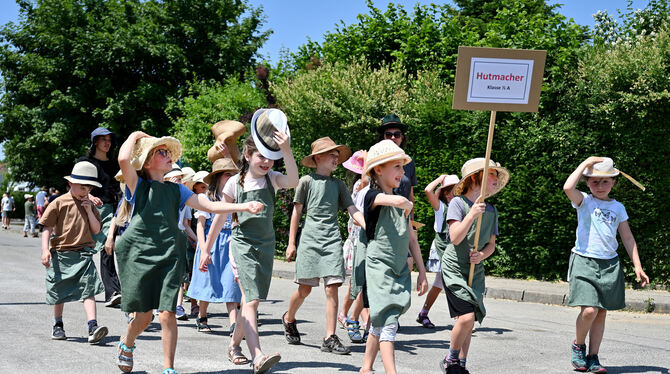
71,65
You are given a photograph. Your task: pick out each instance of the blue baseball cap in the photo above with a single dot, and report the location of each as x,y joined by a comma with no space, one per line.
100,131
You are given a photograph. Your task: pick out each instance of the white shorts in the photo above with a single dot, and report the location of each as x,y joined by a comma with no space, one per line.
386,333
327,281
438,282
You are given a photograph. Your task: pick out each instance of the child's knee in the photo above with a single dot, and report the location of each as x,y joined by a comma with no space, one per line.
332,289
385,333
468,319
304,290
589,312
165,316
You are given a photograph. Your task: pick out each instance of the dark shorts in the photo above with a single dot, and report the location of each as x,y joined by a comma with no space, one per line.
366,301
457,307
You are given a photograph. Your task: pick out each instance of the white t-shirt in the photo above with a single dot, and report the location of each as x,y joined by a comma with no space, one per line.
184,213
597,224
439,217
250,183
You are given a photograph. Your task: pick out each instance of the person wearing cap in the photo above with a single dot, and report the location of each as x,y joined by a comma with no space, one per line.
214,281
105,198
150,252
319,252
253,238
595,274
439,199
465,302
29,209
68,226
388,280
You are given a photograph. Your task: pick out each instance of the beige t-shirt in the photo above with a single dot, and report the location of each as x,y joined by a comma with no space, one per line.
69,222
250,184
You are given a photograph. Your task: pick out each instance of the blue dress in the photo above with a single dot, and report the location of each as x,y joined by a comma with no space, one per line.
217,284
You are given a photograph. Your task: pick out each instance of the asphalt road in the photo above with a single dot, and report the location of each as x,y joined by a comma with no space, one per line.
515,337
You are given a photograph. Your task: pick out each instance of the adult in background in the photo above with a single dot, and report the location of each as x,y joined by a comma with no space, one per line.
40,200
106,199
7,209
53,195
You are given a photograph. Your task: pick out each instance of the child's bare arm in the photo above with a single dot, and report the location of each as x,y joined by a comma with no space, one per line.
128,171
432,197
357,216
46,251
93,221
570,186
291,179
188,230
415,251
486,252
397,201
201,202
200,228
109,243
631,247
293,231
206,250
459,229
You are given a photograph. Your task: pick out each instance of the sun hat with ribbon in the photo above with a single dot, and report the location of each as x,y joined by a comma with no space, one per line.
175,172
391,121
84,172
449,180
188,173
219,166
606,169
356,162
263,125
383,152
198,177
226,132
325,145
476,165
144,146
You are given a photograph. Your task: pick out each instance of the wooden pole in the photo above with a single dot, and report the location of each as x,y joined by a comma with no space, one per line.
487,158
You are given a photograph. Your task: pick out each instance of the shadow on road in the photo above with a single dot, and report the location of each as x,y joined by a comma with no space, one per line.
636,369
24,303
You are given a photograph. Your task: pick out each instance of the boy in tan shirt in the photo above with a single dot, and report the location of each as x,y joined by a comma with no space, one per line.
69,224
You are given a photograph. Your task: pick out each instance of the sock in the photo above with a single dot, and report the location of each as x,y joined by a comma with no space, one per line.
453,354
424,312
58,320
462,362
92,323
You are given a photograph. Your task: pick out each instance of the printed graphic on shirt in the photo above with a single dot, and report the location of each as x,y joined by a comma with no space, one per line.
605,216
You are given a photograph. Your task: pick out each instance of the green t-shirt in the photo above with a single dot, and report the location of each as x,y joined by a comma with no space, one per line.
30,208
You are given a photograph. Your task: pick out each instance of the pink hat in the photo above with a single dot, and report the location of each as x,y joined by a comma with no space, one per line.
356,162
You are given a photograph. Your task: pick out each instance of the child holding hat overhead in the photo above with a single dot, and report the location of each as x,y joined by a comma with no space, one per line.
213,280
67,255
388,231
595,276
150,252
253,238
439,199
466,302
319,253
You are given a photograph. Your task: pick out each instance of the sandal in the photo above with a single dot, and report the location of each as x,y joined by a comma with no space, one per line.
232,330
342,320
354,331
170,371
202,326
124,362
425,321
266,362
236,356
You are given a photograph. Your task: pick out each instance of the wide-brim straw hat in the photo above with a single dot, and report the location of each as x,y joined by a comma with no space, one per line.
227,132
188,173
356,162
198,177
144,145
604,169
84,172
263,125
476,165
175,172
449,180
325,145
383,152
221,165
27,196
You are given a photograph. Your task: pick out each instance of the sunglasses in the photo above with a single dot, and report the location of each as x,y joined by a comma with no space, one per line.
164,153
391,135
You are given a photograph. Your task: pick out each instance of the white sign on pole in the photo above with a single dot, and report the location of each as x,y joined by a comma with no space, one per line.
499,80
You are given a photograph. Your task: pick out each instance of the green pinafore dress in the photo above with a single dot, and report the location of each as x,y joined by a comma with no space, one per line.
253,242
386,271
150,252
320,246
456,262
358,265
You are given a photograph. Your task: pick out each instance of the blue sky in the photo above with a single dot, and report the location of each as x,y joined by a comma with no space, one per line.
293,21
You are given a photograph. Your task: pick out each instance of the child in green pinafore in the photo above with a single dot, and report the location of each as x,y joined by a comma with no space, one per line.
466,302
320,247
388,231
151,253
253,238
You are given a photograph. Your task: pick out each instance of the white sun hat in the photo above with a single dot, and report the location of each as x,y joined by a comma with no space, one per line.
263,125
84,172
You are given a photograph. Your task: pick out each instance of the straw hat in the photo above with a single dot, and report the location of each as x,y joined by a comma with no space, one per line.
476,165
221,165
144,145
226,132
356,162
383,152
263,125
449,180
84,172
602,169
198,177
119,177
188,173
175,172
325,145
